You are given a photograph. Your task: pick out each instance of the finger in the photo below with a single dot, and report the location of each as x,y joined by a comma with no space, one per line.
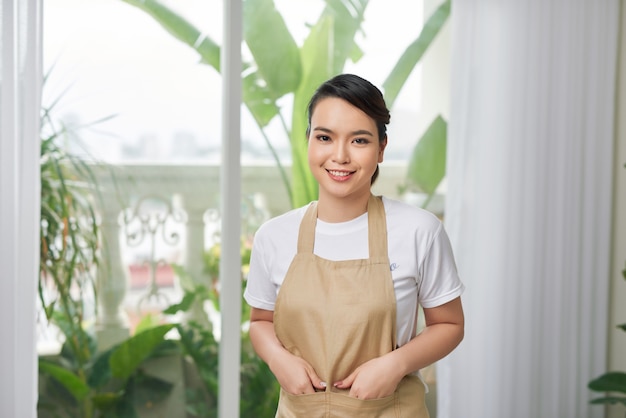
316,381
309,389
346,383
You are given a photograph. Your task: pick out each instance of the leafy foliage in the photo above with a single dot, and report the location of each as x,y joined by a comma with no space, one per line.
81,382
259,388
107,384
280,67
69,245
612,383
427,166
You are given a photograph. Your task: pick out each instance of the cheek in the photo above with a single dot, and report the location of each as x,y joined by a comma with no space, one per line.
312,156
314,151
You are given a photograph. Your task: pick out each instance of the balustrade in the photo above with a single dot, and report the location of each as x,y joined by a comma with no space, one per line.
188,198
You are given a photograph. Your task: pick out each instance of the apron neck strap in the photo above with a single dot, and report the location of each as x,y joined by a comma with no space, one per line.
306,235
377,228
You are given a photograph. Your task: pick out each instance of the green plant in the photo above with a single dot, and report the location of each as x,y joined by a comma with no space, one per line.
280,67
259,388
611,383
427,164
80,382
69,232
112,383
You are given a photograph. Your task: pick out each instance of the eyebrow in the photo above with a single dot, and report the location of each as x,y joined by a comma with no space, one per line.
357,132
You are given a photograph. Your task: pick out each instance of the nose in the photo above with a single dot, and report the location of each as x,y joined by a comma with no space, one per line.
341,154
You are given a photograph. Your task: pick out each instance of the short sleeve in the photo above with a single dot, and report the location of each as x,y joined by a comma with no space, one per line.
260,292
439,279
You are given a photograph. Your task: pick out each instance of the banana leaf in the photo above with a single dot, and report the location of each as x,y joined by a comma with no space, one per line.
280,69
325,51
181,29
414,52
127,357
275,52
318,67
427,166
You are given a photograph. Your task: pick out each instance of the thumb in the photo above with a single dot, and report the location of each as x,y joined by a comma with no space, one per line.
316,381
347,382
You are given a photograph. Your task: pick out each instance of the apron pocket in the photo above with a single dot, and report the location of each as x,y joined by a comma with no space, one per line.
343,402
311,405
333,404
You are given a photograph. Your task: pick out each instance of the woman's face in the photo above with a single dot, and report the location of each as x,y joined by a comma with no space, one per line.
344,149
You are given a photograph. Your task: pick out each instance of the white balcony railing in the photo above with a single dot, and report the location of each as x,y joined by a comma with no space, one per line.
171,216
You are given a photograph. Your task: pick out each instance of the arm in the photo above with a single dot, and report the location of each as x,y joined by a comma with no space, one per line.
379,377
294,374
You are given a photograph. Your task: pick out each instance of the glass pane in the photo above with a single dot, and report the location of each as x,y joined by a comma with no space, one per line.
138,108
125,92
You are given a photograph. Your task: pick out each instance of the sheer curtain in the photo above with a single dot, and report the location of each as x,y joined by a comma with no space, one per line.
20,86
529,204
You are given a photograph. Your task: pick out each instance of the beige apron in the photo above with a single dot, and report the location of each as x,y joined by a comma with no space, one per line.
337,315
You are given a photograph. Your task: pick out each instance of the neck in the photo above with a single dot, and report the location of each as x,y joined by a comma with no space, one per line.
332,209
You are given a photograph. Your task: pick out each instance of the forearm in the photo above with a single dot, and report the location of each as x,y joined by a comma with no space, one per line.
293,373
444,331
432,344
265,342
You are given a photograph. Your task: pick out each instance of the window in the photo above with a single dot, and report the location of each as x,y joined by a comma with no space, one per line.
135,97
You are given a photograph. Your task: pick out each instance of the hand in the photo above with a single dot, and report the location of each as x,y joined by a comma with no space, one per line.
374,379
295,375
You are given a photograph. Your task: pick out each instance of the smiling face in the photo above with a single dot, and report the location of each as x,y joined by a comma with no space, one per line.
344,150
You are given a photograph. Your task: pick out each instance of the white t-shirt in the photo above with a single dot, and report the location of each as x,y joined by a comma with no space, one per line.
420,256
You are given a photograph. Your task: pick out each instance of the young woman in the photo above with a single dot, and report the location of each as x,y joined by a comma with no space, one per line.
335,286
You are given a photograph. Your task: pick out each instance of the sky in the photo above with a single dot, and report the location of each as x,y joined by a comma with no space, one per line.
107,58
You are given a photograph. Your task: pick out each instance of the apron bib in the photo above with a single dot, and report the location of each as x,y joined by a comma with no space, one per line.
337,315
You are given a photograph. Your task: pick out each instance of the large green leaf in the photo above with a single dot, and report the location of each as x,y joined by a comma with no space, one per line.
275,52
74,385
427,165
181,29
347,20
257,99
100,370
127,357
325,51
611,400
411,56
317,61
149,390
106,401
609,382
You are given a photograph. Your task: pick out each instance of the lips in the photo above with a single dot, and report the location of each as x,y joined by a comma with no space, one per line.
340,175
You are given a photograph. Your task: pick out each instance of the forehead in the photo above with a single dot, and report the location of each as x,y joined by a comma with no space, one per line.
333,110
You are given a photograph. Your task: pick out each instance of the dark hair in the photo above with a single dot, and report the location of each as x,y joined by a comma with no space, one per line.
361,94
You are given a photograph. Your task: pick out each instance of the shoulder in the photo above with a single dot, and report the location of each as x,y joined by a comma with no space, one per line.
410,217
277,228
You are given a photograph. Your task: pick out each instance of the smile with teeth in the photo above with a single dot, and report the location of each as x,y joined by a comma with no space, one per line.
340,173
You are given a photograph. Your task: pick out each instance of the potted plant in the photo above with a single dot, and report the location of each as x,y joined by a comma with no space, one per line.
259,388
79,381
612,383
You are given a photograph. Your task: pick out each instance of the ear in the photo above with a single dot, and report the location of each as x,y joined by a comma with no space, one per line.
381,151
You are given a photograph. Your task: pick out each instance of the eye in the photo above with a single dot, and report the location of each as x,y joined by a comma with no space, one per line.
323,138
362,141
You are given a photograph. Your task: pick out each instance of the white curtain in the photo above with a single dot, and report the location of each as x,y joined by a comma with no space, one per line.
529,204
20,87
